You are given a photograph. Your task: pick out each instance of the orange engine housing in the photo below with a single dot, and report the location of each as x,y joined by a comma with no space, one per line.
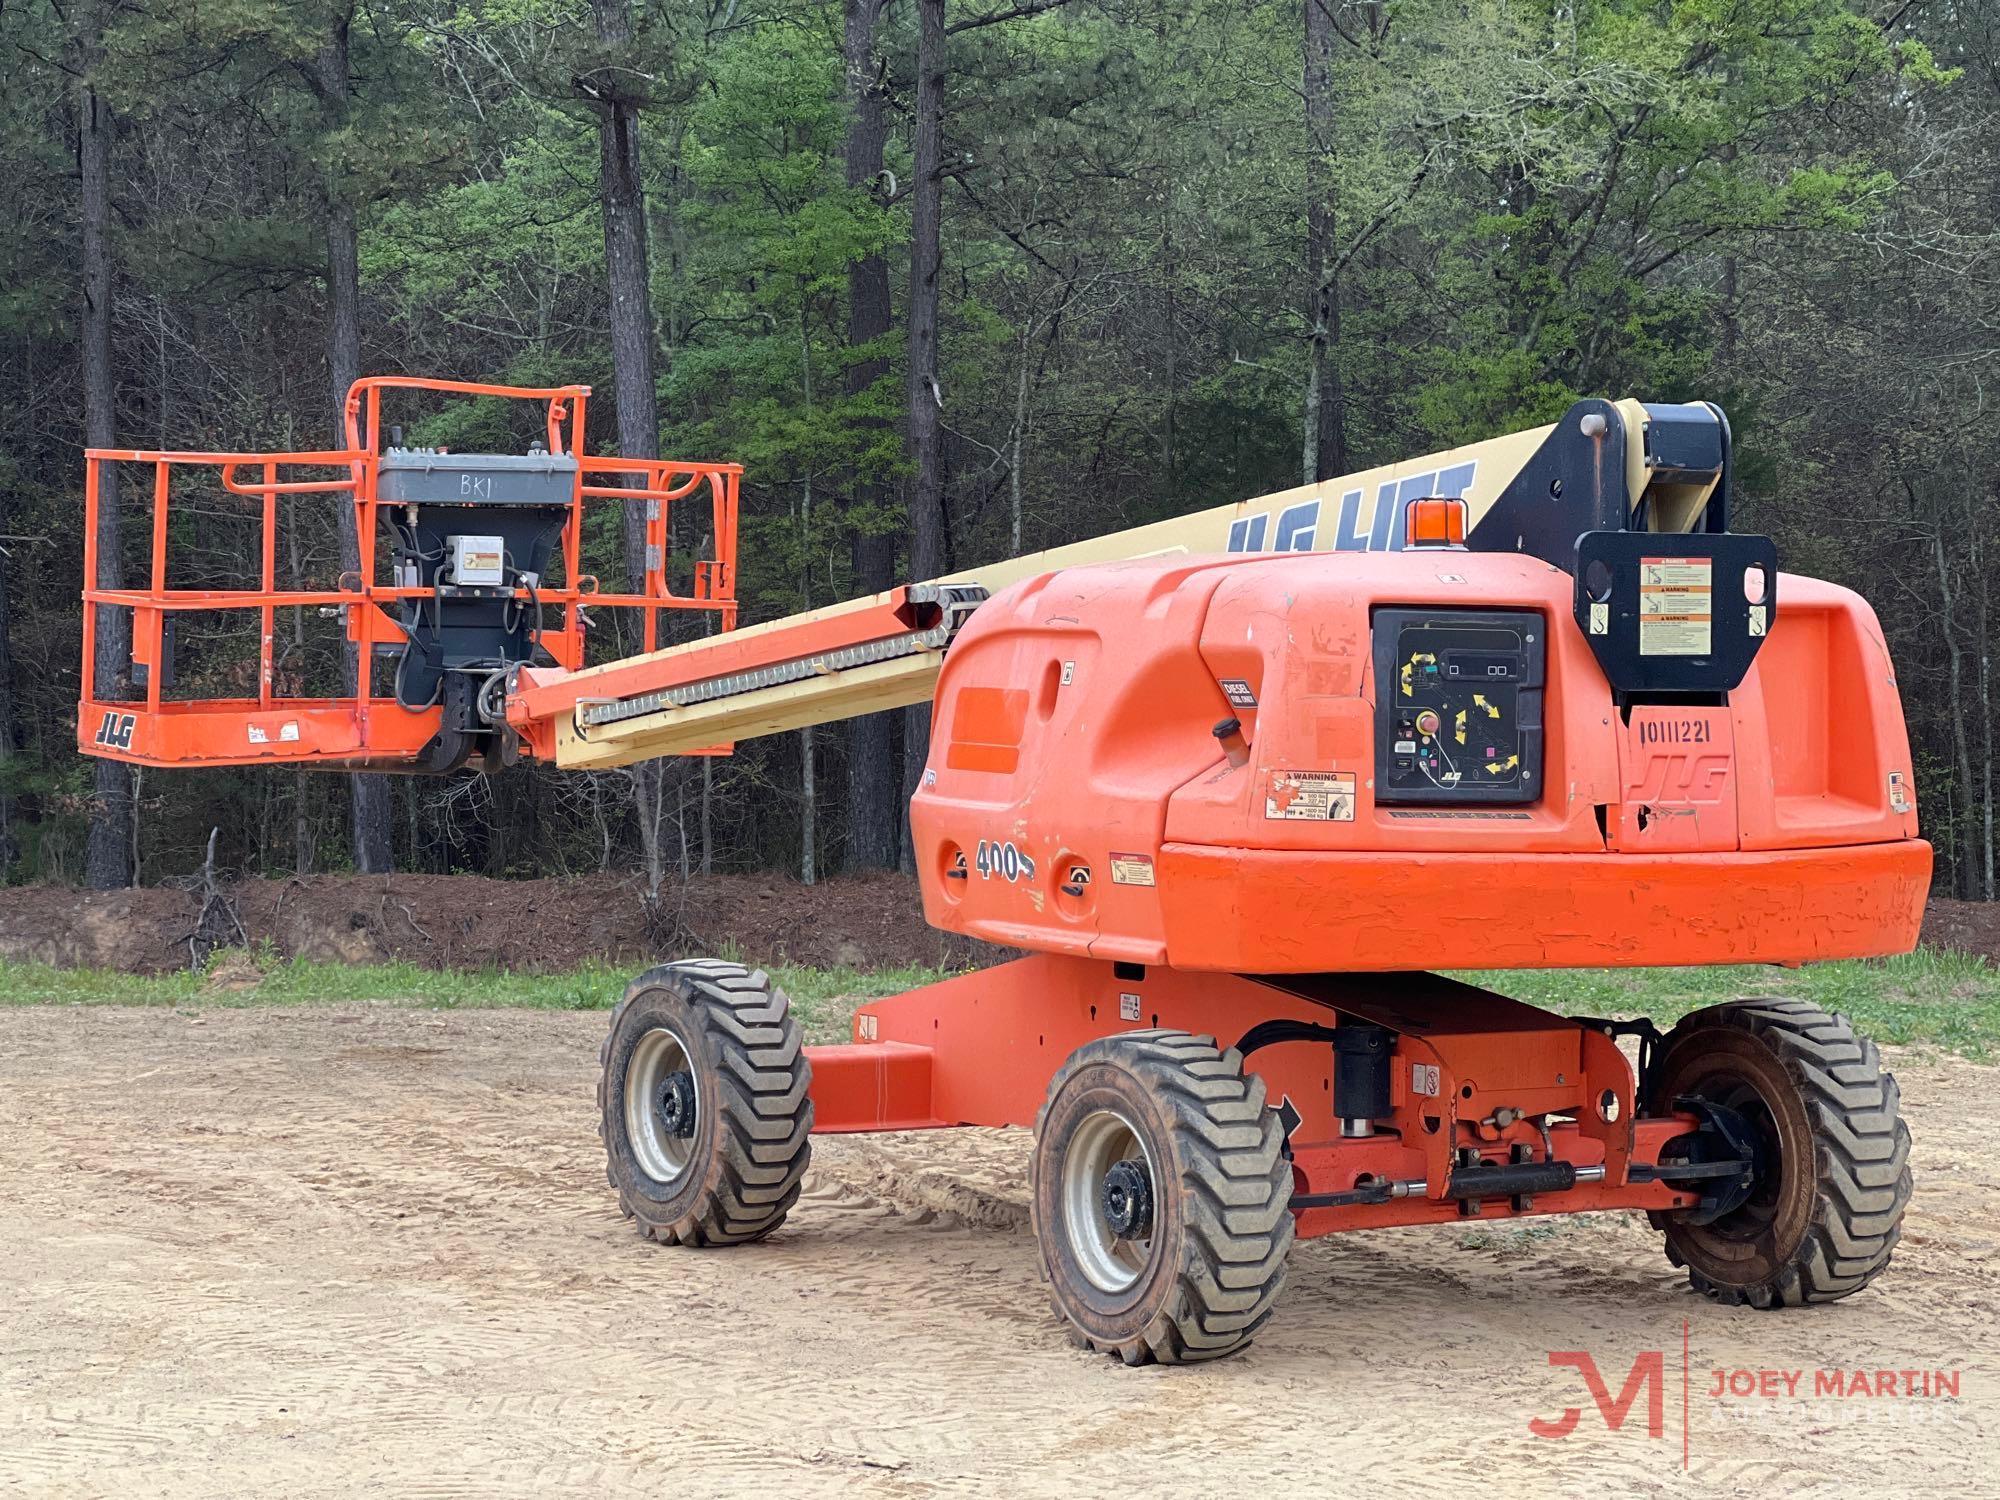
1078,800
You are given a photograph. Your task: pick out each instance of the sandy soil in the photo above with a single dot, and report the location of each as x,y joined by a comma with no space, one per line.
863,921
370,1251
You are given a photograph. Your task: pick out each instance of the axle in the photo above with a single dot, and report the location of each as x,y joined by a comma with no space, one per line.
1171,1175
1405,1098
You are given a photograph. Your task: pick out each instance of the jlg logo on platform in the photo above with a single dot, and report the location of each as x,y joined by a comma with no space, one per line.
116,730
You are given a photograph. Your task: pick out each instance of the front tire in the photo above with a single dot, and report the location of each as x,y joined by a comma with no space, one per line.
703,1104
1827,1208
1161,1198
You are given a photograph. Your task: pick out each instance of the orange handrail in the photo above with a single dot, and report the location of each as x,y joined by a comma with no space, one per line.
271,487
368,390
359,728
325,458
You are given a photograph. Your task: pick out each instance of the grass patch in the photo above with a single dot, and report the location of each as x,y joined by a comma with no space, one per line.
1931,997
823,998
1514,1239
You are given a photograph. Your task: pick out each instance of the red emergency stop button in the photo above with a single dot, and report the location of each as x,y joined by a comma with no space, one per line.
1428,721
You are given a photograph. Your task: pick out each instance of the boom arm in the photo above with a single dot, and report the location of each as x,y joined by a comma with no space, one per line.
1605,466
471,590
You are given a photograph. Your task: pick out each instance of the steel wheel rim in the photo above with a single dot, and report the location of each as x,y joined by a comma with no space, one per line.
661,1155
1756,1216
1100,1141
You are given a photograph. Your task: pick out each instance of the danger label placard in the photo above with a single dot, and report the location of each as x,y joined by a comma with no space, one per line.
1322,796
1676,602
1131,869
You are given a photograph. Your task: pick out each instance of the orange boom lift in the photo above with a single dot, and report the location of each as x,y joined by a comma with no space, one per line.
1231,781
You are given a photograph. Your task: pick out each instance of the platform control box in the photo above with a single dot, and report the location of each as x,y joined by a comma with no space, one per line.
1458,705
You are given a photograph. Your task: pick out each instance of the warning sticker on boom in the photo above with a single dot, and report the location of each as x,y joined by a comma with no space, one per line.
1325,796
1676,598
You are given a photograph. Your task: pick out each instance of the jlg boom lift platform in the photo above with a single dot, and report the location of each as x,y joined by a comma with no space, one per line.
1230,781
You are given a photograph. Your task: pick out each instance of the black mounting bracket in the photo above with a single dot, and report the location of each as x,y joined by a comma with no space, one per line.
1671,612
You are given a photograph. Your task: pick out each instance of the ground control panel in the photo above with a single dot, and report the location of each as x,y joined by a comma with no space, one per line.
1458,705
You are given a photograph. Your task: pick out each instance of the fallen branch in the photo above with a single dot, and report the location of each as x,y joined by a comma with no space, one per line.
217,924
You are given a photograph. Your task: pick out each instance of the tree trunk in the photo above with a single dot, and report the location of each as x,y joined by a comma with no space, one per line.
647,805
8,746
874,743
808,810
1018,445
628,279
1965,872
808,768
627,270
1170,323
372,846
303,833
1729,292
1730,297
1983,628
928,549
1325,448
108,857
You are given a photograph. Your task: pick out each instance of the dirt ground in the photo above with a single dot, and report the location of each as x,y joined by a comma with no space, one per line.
370,1251
1963,926
551,926
471,922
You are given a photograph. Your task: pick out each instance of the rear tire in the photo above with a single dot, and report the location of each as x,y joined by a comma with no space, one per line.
703,1104
1827,1210
1161,1198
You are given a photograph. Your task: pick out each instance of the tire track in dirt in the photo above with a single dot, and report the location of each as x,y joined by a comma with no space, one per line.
371,1250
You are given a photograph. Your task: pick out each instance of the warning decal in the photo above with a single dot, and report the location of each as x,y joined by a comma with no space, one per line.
1324,796
1676,596
1131,869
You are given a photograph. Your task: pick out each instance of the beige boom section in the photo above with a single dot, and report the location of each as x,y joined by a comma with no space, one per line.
673,702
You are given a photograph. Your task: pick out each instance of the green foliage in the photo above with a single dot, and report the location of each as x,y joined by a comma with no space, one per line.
1637,137
766,228
1531,202
507,257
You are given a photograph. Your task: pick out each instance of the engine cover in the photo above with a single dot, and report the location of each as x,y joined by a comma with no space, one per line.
1194,762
